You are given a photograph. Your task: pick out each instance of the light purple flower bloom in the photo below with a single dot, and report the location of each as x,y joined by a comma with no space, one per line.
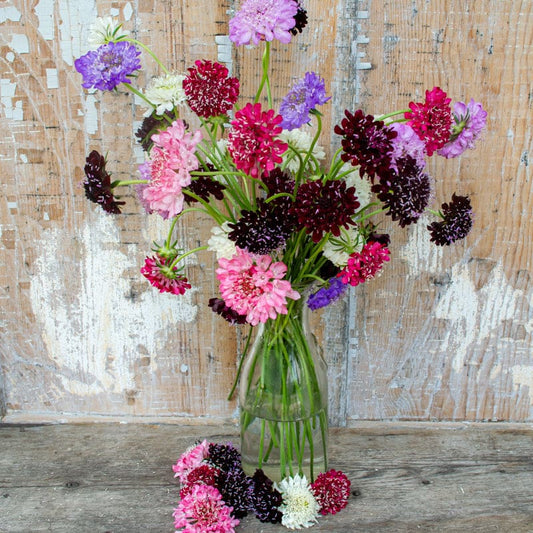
407,143
306,94
326,295
263,20
470,119
109,65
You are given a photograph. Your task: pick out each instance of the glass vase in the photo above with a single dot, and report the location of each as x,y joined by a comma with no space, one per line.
284,398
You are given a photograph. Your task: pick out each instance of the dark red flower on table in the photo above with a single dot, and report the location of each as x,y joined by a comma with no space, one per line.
158,271
224,456
202,475
234,485
97,184
331,490
265,499
366,142
432,119
457,221
209,89
364,265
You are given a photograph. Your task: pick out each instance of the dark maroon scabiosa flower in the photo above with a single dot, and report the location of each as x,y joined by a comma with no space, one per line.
334,290
278,181
202,475
224,456
324,207
265,499
366,142
227,313
234,486
263,230
154,124
209,89
405,193
162,276
331,490
364,265
432,119
204,187
457,221
97,184
300,20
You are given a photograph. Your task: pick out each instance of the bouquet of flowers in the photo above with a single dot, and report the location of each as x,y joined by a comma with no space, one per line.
291,228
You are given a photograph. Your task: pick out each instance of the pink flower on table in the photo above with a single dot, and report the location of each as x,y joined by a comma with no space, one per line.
168,169
252,285
190,459
252,141
204,511
364,265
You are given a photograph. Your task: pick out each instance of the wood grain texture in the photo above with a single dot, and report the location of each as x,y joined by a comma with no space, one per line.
405,477
443,334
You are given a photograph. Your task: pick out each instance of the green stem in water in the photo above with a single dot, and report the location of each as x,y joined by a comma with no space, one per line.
239,369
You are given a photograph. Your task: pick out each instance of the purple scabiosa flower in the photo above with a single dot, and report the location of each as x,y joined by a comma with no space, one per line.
323,207
227,313
405,193
235,486
333,291
97,184
300,20
366,142
470,119
109,65
263,20
265,499
305,95
456,221
407,143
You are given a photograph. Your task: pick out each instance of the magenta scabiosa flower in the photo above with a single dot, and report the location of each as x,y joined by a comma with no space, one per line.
364,265
456,223
331,490
162,276
263,20
109,65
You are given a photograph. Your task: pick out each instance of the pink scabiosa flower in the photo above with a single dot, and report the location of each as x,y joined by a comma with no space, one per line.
202,475
162,276
407,143
168,169
203,511
252,141
364,265
192,458
470,119
210,90
431,119
254,286
263,20
331,490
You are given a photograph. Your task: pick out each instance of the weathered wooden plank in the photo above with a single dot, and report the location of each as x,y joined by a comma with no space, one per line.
406,477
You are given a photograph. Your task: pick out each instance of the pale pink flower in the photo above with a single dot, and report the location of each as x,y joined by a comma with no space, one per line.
252,285
190,459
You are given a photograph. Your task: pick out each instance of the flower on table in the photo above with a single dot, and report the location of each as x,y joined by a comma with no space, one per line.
265,499
252,141
263,20
223,456
202,475
104,30
163,276
109,65
190,459
235,486
299,508
331,490
431,119
303,98
210,90
364,265
165,93
470,119
456,223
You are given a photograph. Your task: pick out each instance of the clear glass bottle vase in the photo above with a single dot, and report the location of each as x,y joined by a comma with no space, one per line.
284,398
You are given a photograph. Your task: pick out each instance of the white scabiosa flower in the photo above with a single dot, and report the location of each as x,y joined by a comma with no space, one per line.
220,243
104,30
338,249
300,141
165,92
299,508
362,185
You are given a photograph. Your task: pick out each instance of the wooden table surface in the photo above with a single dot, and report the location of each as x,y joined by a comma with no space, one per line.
113,478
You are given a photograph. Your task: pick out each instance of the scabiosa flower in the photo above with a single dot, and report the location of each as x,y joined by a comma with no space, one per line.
219,306
253,286
263,20
470,119
299,508
109,65
162,276
252,141
300,20
104,30
456,221
204,187
406,193
210,90
305,95
201,475
338,249
407,143
432,119
152,125
220,243
265,499
363,187
299,141
331,490
203,511
278,181
364,265
322,207
97,184
224,456
235,486
190,459
366,142
166,93
334,290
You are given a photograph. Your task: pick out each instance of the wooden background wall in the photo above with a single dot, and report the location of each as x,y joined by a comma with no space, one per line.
444,334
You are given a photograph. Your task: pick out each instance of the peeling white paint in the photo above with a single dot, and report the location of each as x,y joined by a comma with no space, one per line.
19,43
523,376
127,12
52,81
91,330
11,109
9,13
184,368
91,114
420,254
10,56
45,14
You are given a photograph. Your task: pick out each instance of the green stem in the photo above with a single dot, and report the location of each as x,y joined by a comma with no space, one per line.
122,183
188,252
146,49
139,94
393,114
264,77
239,369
